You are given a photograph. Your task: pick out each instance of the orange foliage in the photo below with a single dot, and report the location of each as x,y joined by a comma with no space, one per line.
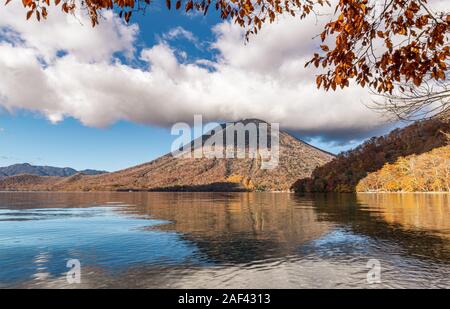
344,172
414,44
246,182
429,171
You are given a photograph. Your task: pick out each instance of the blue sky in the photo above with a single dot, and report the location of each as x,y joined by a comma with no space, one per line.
78,124
29,137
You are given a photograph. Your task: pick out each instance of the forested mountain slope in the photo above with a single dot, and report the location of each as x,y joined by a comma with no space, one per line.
344,172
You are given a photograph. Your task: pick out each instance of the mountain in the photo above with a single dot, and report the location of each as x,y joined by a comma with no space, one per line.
345,172
297,159
426,172
26,168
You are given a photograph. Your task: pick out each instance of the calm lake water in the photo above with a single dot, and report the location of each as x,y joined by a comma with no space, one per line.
225,240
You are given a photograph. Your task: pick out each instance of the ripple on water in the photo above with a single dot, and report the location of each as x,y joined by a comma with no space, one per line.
233,240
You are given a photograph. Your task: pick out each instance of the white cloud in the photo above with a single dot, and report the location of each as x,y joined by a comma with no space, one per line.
264,79
178,32
64,32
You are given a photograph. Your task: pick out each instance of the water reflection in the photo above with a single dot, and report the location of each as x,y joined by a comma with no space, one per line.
427,212
222,240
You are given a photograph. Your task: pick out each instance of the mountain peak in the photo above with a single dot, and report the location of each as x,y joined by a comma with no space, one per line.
21,164
252,120
168,173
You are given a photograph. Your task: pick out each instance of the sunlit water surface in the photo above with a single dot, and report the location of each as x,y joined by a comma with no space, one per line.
224,240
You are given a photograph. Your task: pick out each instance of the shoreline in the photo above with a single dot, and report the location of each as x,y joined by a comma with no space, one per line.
168,191
404,192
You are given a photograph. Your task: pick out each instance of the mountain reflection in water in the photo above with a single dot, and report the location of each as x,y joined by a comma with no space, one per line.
224,240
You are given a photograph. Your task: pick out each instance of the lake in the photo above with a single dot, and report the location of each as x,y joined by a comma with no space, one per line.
224,240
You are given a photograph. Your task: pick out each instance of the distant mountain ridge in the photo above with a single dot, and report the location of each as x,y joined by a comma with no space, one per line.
297,159
26,168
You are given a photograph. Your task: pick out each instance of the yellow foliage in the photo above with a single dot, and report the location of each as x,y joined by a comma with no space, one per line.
246,182
429,171
249,185
235,178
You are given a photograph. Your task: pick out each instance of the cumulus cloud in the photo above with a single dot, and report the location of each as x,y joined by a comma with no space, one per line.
63,32
263,79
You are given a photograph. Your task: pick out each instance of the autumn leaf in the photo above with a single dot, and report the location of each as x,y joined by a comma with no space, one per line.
29,14
318,81
65,7
128,16
189,6
44,13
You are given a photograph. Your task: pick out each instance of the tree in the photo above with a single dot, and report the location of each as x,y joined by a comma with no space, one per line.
399,48
410,102
379,163
428,171
392,46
